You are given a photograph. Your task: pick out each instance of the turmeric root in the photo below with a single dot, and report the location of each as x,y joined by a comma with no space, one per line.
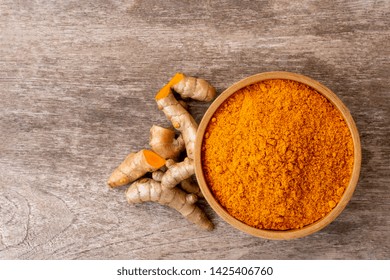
163,142
194,88
147,189
191,187
184,104
177,172
135,166
188,185
157,175
180,118
162,188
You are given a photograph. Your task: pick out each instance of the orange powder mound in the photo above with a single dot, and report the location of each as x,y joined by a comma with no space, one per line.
277,155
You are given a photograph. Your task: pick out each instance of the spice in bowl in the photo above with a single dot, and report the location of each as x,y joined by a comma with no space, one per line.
277,155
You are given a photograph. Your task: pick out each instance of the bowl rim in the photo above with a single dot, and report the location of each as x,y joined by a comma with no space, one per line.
279,234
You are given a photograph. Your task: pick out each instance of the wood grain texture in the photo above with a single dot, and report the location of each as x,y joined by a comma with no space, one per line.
77,81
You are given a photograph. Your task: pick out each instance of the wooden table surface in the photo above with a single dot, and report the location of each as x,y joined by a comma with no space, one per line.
77,86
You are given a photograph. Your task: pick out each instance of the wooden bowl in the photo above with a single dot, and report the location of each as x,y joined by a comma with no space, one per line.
279,234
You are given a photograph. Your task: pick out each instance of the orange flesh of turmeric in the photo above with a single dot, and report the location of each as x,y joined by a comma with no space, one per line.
165,90
277,155
176,79
153,159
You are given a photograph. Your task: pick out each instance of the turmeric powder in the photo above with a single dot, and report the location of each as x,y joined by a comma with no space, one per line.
277,155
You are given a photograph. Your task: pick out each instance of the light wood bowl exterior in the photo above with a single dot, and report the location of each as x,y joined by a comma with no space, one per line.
279,234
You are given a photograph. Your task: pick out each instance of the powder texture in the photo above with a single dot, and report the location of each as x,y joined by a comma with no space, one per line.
277,155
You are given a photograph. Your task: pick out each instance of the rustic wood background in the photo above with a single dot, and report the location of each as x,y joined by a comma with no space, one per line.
77,81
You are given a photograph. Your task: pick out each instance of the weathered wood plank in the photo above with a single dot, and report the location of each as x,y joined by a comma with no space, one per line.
77,81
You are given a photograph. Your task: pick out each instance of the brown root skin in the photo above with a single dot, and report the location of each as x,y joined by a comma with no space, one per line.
179,117
194,88
163,142
177,172
184,104
135,166
157,175
147,189
191,187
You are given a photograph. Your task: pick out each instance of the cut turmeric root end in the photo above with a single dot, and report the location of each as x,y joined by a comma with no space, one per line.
176,79
135,166
153,159
166,90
